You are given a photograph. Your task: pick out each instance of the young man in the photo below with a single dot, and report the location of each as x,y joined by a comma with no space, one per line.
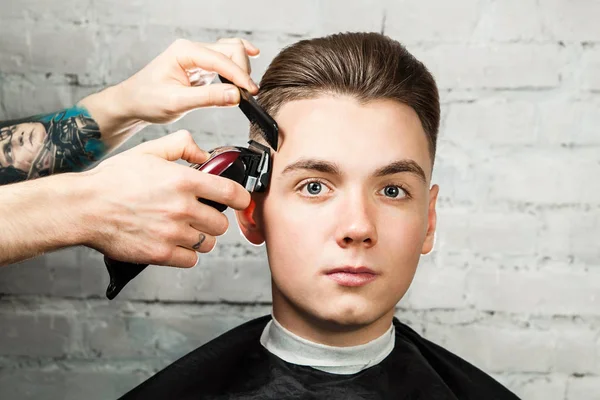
349,210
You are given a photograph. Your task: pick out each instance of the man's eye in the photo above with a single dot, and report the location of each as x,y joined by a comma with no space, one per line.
393,192
312,188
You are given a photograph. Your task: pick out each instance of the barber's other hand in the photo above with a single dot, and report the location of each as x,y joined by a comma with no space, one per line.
143,207
161,91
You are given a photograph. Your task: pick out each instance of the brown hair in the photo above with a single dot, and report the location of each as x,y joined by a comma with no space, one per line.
367,66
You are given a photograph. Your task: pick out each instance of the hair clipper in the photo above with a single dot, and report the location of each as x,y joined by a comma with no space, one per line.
249,166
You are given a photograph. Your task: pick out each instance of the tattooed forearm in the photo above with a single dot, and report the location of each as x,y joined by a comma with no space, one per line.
66,141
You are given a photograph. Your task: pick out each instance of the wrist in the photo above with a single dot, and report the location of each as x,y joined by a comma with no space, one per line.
111,110
118,97
79,196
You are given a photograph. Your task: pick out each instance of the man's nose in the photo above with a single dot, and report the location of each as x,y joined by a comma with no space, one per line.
356,222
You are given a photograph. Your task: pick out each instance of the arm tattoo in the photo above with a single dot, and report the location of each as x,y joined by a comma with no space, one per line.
66,141
201,239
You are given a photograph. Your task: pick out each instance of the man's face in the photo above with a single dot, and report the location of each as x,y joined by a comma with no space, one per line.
348,211
20,148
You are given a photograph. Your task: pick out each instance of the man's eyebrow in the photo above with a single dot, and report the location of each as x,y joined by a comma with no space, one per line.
400,166
327,167
313,164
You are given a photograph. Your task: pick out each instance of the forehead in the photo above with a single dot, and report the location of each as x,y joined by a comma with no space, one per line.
342,130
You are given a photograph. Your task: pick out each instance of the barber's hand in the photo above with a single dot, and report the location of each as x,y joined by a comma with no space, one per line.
161,92
145,207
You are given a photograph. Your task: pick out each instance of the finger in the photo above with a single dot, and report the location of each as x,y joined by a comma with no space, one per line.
251,49
200,242
207,219
191,55
235,50
239,56
218,94
217,188
182,258
175,146
196,241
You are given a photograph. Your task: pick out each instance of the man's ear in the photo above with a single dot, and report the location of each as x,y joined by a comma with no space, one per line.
431,221
247,222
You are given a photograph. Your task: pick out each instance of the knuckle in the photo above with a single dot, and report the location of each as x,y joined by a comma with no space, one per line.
180,42
172,104
223,58
185,209
229,39
238,44
182,209
185,136
179,183
162,255
170,233
230,191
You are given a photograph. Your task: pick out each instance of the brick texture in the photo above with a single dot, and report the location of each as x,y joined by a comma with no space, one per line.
513,284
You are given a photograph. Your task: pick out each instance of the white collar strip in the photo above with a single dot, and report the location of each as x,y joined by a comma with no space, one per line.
336,360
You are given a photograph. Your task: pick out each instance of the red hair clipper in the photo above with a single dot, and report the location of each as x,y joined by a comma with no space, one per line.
249,166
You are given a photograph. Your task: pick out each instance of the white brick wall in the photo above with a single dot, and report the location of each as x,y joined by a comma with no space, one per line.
514,283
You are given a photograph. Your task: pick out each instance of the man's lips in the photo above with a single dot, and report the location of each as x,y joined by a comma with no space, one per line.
351,270
352,276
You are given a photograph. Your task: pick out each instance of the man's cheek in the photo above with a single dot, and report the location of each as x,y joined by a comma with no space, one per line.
294,219
408,227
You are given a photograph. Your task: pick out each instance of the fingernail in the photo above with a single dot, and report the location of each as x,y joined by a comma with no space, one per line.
231,96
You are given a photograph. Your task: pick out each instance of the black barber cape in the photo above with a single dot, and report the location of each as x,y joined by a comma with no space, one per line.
236,366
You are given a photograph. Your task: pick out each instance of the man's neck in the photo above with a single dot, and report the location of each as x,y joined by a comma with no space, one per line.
323,332
331,359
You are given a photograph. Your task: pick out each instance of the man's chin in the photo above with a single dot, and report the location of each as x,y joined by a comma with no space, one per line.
346,317
341,312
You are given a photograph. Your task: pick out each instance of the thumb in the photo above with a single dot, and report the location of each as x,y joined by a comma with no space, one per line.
175,146
216,94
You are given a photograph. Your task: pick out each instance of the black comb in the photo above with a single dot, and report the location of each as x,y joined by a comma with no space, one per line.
257,115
